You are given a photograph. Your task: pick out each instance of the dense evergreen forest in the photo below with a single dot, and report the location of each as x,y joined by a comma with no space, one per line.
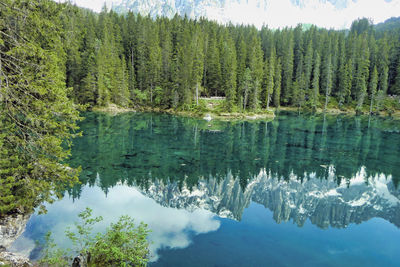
131,60
56,58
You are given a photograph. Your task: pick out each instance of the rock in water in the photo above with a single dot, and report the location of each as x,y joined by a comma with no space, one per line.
13,259
11,227
207,117
77,262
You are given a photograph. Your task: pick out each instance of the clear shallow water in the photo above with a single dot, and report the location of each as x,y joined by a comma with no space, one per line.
300,190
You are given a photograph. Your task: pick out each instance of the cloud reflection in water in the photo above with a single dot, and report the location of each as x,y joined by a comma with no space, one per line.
170,227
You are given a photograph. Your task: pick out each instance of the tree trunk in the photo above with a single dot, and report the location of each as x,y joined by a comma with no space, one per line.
370,106
326,99
132,58
245,99
151,94
197,93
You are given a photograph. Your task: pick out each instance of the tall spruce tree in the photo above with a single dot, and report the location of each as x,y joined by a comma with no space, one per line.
315,82
270,76
277,83
287,67
228,71
37,118
372,88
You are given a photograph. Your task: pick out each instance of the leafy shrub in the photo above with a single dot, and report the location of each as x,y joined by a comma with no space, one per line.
123,244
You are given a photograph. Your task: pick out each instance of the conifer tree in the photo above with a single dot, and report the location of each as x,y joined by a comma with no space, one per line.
308,60
362,73
246,87
255,63
342,73
37,119
270,76
153,62
228,71
328,82
198,63
372,87
287,68
166,55
213,64
315,82
383,64
241,59
277,83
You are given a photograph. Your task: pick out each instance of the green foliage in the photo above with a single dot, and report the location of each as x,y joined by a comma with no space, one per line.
37,116
52,255
122,244
59,53
164,63
83,239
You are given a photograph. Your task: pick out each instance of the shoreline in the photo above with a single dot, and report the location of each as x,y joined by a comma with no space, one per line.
225,116
113,110
11,227
348,112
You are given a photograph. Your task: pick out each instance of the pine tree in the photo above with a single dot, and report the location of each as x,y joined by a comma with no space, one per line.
246,87
328,82
166,58
287,69
198,63
129,41
228,71
277,83
255,63
270,76
348,81
396,86
140,52
372,87
342,73
241,56
213,65
37,118
315,82
122,96
383,64
362,73
308,60
153,62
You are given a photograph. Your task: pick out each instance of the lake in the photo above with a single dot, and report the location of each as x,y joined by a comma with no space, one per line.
300,190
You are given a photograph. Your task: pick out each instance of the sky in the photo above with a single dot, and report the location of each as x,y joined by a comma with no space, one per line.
281,13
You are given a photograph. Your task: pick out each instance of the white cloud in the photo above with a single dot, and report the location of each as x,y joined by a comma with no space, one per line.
170,227
281,13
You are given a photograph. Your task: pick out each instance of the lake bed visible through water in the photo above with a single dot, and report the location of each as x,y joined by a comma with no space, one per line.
296,191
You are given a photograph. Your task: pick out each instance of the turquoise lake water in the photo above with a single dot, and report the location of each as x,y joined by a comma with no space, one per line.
300,190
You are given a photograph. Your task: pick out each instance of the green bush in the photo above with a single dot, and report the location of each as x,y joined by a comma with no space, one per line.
123,244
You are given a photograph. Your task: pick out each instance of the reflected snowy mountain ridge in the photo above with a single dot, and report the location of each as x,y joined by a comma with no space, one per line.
323,201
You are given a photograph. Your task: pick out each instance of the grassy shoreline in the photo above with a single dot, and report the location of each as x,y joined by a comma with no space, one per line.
210,109
350,112
213,111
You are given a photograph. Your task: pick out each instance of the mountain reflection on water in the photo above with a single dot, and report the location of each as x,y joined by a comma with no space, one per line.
177,174
335,170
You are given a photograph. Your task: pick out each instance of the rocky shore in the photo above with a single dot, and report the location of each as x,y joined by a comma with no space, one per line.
11,227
